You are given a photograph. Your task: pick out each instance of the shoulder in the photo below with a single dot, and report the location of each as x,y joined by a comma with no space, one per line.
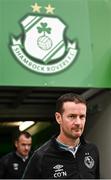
89,145
91,148
44,148
39,153
8,155
4,159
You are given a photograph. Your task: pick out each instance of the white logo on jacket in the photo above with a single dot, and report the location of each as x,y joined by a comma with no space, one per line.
89,161
15,166
59,171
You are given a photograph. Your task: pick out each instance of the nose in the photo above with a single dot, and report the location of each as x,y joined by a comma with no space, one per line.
77,120
27,147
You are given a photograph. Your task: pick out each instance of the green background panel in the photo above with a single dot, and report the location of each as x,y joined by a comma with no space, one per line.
87,23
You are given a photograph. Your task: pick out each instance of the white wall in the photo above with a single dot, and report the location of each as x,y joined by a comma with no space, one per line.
98,130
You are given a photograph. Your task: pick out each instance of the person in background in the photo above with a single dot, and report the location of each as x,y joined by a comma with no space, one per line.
12,165
67,155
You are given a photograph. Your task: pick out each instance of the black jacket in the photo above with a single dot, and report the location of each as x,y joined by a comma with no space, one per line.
12,166
50,161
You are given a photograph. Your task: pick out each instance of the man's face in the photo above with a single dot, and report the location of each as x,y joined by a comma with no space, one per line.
23,145
72,120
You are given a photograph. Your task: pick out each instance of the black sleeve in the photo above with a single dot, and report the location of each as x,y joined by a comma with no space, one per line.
98,166
3,168
33,168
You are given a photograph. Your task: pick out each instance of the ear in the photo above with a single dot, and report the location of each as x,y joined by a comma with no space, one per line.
15,144
58,117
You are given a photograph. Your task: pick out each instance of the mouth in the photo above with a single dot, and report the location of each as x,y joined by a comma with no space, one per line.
76,130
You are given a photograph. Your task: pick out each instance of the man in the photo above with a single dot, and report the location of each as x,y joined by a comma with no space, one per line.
67,155
13,164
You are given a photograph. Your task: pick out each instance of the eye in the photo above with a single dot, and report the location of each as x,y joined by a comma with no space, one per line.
72,116
82,117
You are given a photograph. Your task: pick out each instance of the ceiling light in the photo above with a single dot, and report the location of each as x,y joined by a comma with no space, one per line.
25,125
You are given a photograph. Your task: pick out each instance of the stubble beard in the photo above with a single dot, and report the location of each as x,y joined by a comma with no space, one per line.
72,135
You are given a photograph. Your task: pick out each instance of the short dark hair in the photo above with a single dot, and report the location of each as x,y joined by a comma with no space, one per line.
19,133
68,97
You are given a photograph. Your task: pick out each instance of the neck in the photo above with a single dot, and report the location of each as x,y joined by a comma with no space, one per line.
68,141
21,155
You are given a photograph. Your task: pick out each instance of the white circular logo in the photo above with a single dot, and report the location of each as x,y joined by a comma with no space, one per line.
89,162
44,48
